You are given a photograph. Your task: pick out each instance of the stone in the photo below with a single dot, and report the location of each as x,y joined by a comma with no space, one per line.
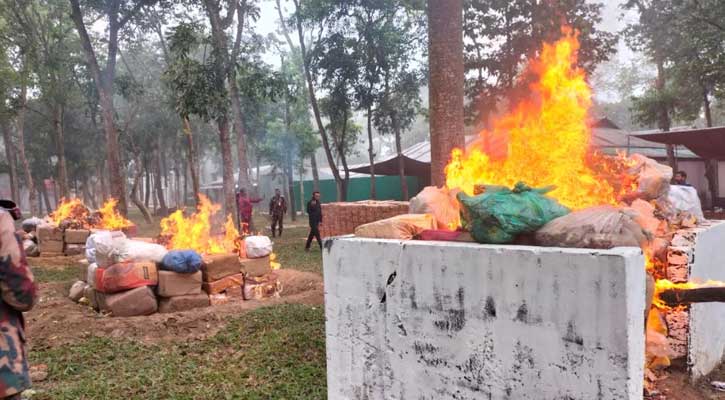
220,266
50,246
76,291
183,303
262,287
175,284
256,266
680,255
76,236
441,320
138,301
223,284
49,232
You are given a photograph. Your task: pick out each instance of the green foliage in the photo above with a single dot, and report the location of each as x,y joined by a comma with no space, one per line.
500,35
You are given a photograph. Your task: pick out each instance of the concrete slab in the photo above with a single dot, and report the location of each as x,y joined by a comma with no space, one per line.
706,345
432,320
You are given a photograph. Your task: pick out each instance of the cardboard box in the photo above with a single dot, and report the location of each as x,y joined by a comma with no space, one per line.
220,266
223,284
183,303
257,288
52,254
50,246
76,236
49,232
138,301
126,275
74,249
175,284
235,292
256,266
218,299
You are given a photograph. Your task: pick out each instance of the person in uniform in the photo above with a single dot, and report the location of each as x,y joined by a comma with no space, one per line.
18,293
277,209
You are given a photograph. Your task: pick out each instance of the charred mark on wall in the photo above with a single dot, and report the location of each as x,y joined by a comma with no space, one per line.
391,278
572,336
454,321
426,353
327,244
489,309
522,314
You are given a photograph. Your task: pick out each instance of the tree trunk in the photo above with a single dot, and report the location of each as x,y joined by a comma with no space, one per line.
60,149
711,166
147,181
302,189
134,192
10,156
158,184
313,100
401,161
102,181
104,87
177,176
243,177
87,192
191,154
45,197
371,154
315,173
20,127
40,203
227,167
445,61
663,116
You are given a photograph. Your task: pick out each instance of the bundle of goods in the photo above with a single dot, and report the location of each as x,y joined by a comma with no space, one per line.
343,218
126,277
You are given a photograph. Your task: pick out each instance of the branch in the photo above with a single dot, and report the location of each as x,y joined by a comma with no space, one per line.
226,22
134,10
77,17
241,12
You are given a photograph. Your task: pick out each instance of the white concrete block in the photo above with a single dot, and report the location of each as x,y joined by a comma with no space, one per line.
707,320
432,320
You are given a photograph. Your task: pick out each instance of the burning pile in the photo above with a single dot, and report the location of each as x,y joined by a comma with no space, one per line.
73,214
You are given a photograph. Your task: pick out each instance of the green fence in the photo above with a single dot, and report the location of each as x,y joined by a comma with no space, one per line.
387,188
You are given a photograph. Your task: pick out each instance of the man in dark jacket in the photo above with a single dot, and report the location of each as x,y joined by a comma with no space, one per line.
277,210
314,211
18,293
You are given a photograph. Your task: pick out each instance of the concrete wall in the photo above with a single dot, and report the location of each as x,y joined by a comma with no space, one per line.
707,320
427,320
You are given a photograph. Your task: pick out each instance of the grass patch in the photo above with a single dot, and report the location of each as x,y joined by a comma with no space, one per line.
270,353
62,274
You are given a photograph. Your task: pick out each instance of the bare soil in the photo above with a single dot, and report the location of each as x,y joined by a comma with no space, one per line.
56,320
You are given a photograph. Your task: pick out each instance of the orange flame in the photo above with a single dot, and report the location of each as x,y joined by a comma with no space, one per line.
664,284
69,209
110,218
544,140
195,232
274,265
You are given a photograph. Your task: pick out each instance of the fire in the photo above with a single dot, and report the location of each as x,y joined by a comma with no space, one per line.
544,140
273,263
195,231
110,218
72,209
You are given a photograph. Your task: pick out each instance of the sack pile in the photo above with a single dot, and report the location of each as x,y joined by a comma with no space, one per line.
126,277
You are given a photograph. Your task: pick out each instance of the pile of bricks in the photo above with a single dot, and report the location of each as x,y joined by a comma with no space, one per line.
53,241
680,254
342,218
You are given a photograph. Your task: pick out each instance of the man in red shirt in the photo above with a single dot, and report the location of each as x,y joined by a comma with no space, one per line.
245,205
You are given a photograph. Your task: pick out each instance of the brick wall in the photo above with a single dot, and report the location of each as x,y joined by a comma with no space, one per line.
343,218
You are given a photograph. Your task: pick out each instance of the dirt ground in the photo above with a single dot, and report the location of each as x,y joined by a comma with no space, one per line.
56,320
675,384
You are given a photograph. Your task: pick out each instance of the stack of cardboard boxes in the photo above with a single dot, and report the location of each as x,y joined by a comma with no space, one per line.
53,241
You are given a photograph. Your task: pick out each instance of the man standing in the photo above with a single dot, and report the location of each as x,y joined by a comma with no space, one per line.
314,211
19,294
681,179
244,208
277,209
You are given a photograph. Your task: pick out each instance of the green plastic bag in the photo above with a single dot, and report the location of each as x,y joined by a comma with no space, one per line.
499,215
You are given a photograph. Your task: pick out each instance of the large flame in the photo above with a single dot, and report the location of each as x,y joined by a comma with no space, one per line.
662,285
544,140
69,209
110,218
195,231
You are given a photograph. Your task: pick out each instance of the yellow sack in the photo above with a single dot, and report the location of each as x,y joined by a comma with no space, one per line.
403,227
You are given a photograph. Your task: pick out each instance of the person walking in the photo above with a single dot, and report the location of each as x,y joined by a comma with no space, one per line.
18,293
314,212
277,209
245,205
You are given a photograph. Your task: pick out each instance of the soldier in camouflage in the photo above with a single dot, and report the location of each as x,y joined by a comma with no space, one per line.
18,294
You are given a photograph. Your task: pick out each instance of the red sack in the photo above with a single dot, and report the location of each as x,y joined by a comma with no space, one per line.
125,276
445,236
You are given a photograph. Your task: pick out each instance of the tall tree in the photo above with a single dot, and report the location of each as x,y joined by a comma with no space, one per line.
118,14
445,62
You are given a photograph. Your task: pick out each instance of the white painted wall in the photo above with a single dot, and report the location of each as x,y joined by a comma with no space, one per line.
433,320
707,320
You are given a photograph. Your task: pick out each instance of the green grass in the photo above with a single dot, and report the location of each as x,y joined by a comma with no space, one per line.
270,353
48,275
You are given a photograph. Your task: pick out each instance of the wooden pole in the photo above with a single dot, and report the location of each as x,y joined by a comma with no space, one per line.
677,297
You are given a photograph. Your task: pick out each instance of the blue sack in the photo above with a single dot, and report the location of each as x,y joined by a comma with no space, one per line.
182,261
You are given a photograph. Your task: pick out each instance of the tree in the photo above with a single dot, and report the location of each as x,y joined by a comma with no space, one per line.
445,62
118,13
502,35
